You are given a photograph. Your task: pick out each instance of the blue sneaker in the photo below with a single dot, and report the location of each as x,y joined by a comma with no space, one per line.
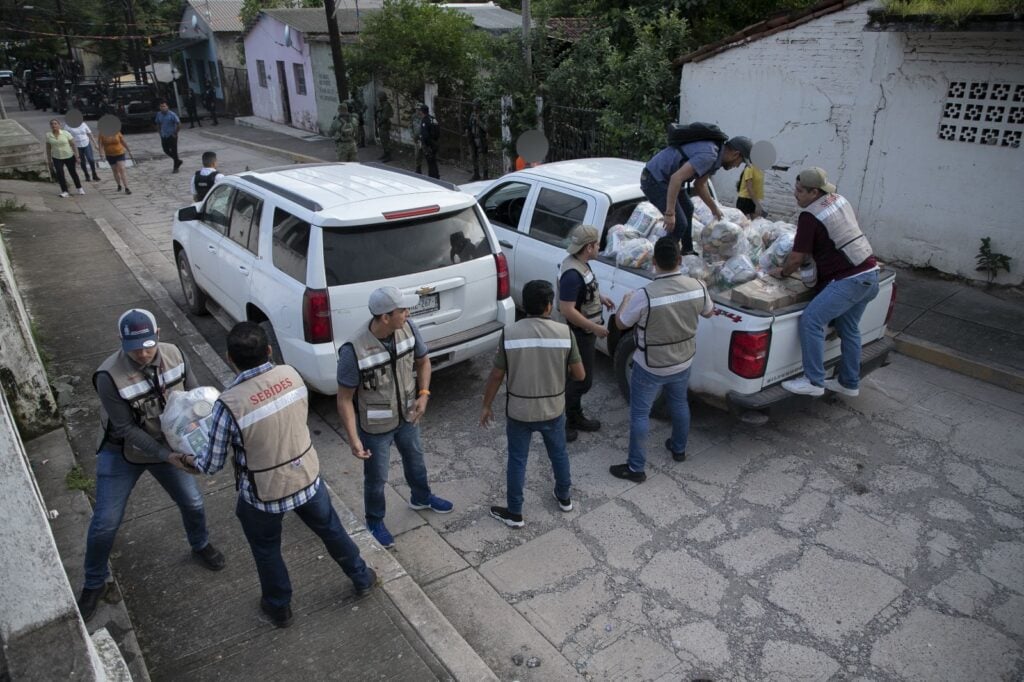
435,504
381,534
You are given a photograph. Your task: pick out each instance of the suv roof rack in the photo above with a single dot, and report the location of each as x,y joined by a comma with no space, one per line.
412,174
302,201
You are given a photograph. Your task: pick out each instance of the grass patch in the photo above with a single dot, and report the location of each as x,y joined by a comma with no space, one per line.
77,480
10,206
951,11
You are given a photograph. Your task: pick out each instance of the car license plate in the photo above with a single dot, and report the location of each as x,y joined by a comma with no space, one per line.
427,304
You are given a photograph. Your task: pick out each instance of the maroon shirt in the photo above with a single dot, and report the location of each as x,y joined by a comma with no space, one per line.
812,237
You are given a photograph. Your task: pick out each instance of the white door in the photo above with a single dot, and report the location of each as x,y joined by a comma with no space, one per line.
206,240
542,249
238,252
505,208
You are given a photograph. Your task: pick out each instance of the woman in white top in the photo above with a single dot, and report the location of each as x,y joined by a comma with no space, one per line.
62,153
85,142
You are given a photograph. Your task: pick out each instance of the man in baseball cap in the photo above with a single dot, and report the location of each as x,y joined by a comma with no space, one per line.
138,330
383,390
815,178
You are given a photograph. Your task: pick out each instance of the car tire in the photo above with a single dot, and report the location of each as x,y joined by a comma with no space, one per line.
275,347
623,364
195,298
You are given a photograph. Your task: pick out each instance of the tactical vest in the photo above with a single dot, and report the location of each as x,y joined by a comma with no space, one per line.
836,214
145,395
270,410
387,382
589,303
666,336
536,351
204,183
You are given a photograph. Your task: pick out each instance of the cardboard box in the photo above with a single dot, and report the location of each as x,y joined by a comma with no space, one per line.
770,293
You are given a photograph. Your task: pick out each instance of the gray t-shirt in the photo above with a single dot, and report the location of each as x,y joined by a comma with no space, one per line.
348,366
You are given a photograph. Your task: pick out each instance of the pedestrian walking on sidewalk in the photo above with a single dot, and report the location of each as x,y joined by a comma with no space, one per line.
192,109
133,385
382,119
535,354
379,403
113,149
664,316
262,417
169,125
847,280
210,101
206,177
84,142
430,136
581,303
62,155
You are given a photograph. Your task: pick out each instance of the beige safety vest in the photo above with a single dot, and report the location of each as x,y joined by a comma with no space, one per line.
144,394
666,332
387,384
270,410
590,308
836,214
536,352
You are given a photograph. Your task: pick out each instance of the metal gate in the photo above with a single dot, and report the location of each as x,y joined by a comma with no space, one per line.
454,148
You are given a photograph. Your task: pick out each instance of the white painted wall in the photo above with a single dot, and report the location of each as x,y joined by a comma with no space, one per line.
866,107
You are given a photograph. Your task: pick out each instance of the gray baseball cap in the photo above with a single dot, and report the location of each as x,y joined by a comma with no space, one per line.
741,144
389,299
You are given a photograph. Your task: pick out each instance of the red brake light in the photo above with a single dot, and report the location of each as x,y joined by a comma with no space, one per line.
316,316
503,283
411,213
892,305
748,353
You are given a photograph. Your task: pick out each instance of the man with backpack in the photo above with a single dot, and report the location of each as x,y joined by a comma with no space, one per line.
694,152
430,134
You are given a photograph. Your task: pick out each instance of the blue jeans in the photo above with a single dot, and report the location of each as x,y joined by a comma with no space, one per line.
115,479
519,434
842,302
643,389
375,470
263,531
657,193
85,157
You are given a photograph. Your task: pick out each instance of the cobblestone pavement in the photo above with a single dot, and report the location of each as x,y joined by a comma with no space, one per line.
872,538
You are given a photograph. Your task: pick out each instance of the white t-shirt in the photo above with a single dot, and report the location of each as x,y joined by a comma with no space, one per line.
80,133
635,311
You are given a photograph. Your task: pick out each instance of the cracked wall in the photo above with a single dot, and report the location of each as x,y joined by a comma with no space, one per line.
866,107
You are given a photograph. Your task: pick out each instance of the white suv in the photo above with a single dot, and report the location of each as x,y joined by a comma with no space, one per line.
299,249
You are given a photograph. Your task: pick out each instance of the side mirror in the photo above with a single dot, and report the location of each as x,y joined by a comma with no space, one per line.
188,213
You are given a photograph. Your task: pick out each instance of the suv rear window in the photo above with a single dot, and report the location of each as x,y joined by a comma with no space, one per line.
364,254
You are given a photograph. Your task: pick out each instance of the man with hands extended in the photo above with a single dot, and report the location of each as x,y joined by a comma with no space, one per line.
383,390
262,417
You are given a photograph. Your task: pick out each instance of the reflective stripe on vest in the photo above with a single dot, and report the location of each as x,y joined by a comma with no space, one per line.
387,389
666,335
590,308
167,377
836,214
536,353
271,410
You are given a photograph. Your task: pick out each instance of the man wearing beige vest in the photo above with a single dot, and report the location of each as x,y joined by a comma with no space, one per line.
535,353
262,417
665,314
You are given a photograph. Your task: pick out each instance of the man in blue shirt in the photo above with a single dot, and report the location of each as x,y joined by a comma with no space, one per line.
169,124
665,174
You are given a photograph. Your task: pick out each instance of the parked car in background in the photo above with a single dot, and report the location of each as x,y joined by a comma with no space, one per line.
87,97
135,105
6,77
40,91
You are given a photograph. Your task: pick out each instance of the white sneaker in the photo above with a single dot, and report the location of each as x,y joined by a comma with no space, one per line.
836,387
81,190
802,386
64,195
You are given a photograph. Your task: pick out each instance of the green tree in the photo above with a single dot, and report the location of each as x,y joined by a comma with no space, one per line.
411,42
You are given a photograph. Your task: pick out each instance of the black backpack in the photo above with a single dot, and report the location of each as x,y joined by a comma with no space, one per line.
685,133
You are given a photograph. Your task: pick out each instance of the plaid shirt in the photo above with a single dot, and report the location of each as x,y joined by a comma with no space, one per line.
224,432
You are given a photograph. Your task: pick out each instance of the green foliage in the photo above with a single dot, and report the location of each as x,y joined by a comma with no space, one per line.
991,262
77,480
412,42
951,11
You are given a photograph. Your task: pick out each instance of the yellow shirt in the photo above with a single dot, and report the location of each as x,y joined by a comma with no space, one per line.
751,172
60,144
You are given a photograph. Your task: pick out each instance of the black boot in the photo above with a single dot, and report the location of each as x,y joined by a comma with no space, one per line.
578,421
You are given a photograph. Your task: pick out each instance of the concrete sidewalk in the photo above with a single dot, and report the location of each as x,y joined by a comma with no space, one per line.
76,276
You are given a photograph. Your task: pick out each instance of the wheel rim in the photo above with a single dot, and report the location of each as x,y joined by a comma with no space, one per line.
186,281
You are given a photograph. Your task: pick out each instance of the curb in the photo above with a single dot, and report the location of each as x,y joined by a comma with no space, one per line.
433,628
256,146
947,358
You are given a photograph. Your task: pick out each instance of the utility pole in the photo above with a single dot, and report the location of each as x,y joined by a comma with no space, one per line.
132,29
340,77
67,40
527,50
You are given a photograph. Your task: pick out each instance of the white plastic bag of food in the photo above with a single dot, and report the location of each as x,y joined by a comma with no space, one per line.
722,240
186,419
734,215
644,219
775,255
635,253
694,266
701,211
733,272
616,235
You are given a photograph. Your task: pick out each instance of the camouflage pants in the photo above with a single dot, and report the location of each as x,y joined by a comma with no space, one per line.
346,151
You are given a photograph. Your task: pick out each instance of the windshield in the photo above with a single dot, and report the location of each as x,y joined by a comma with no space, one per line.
374,252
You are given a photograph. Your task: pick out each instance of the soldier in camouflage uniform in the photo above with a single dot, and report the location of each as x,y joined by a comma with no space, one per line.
476,131
382,118
356,106
417,118
343,130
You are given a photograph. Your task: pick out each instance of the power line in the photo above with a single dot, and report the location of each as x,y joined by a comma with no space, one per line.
87,37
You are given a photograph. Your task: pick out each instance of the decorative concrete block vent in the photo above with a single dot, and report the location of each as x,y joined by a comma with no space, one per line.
983,113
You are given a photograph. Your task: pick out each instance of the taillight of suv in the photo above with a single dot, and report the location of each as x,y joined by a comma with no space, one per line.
504,290
748,353
316,316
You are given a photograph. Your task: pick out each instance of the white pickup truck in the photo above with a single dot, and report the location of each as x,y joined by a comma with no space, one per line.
742,354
